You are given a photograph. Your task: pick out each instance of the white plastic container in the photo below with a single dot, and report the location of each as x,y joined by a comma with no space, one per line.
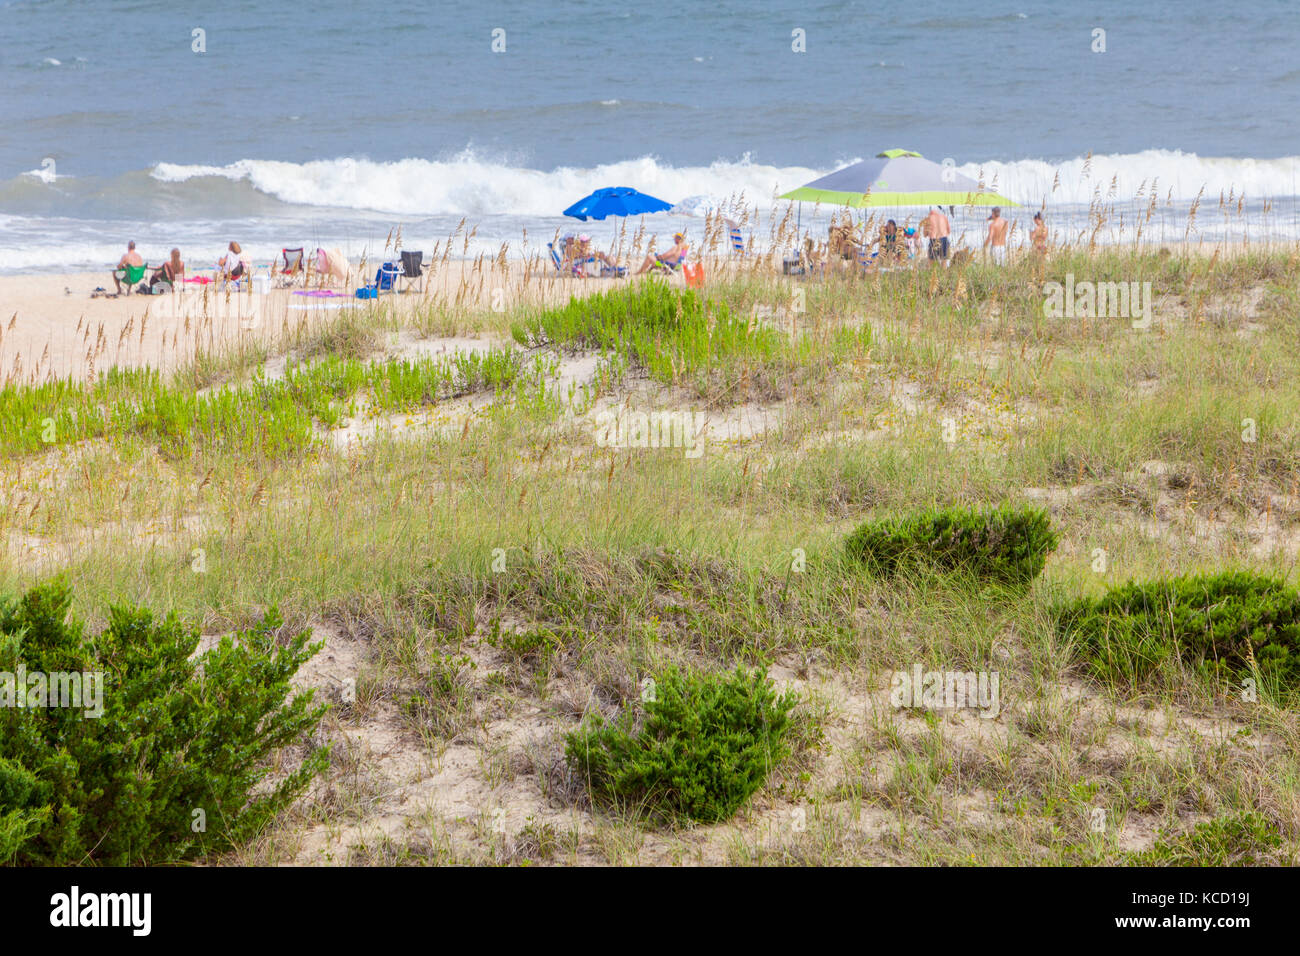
261,285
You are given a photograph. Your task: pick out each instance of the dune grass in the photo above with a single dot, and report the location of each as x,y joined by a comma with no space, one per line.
510,566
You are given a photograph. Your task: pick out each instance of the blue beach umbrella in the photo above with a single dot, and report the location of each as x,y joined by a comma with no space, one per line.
615,201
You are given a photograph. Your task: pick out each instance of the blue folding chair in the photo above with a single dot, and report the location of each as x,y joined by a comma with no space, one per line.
387,276
737,240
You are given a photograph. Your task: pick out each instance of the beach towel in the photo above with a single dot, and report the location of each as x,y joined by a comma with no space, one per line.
320,293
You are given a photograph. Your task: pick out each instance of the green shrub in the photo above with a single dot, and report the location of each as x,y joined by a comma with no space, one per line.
177,734
705,744
1245,839
1008,546
1216,623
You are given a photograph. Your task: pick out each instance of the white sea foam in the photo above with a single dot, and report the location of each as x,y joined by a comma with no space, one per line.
472,186
469,186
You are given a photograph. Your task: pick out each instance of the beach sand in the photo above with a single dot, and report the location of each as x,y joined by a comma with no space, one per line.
51,328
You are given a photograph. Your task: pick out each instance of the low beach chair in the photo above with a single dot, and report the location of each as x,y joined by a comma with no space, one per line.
413,268
131,275
736,238
557,259
668,268
387,276
291,269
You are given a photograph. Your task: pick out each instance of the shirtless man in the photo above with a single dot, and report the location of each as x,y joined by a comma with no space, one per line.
672,258
938,229
131,258
996,240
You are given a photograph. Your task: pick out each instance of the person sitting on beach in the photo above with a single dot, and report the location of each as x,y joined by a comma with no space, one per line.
170,271
888,241
842,240
812,257
670,259
578,252
129,258
232,265
912,240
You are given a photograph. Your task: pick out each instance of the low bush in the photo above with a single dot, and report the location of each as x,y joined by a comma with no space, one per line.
1008,546
705,744
1244,839
174,764
1220,623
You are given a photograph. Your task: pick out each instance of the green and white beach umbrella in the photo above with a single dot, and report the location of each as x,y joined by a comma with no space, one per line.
897,177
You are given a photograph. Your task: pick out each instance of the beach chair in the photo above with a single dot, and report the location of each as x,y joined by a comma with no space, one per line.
668,268
413,268
291,269
131,275
737,240
386,278
557,259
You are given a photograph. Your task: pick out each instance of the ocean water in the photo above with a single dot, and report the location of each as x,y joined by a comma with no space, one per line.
335,123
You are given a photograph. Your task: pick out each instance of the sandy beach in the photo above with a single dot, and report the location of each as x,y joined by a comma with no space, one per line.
51,327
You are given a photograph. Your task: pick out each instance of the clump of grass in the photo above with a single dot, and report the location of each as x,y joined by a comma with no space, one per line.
1223,624
1008,546
267,419
679,337
705,744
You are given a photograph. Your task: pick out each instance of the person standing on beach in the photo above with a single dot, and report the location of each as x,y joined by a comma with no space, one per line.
1039,236
938,229
130,258
996,240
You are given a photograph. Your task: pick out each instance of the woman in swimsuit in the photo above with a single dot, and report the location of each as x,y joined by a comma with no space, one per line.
169,272
1039,236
